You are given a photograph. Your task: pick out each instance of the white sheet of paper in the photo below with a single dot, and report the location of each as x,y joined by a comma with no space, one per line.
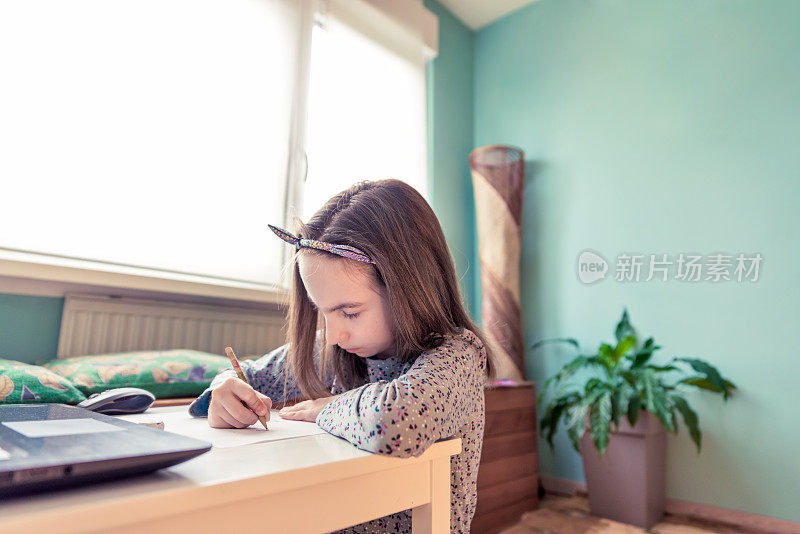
180,422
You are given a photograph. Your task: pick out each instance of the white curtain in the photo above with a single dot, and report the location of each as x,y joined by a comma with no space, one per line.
160,137
149,133
366,114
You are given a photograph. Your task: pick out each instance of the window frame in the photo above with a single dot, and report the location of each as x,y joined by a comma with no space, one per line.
30,273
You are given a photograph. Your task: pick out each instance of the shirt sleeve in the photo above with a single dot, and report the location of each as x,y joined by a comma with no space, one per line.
265,374
403,417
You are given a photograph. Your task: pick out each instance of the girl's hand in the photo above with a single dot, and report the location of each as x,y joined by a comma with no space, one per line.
307,410
234,404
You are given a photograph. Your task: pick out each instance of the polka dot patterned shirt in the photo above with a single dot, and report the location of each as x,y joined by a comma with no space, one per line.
400,411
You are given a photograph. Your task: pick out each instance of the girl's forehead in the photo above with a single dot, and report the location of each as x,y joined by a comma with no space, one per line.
333,276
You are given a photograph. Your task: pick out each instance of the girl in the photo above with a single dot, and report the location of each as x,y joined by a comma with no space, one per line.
397,363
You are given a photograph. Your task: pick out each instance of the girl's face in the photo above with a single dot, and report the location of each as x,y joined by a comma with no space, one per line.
356,312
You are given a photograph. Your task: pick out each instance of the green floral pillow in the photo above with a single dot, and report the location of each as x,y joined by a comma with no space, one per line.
22,382
166,373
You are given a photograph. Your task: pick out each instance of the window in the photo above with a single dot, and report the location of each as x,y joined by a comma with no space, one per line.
161,136
366,116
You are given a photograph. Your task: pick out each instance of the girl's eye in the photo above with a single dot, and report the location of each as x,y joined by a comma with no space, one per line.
350,315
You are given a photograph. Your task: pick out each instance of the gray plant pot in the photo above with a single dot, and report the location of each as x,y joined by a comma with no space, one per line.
628,483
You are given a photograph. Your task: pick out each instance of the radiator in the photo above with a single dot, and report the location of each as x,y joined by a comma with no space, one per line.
99,325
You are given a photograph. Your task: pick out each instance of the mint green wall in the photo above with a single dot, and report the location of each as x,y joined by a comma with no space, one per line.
29,327
450,137
664,127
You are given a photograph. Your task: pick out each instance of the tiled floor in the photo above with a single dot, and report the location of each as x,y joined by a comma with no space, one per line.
570,515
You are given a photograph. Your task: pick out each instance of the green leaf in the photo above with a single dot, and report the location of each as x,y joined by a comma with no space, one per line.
711,374
644,354
629,377
594,388
592,384
624,328
690,418
606,357
656,400
594,360
623,347
546,386
663,369
618,398
569,340
555,418
575,425
567,371
554,411
600,421
634,407
702,383
571,368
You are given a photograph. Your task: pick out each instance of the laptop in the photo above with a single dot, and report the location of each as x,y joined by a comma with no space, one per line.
46,446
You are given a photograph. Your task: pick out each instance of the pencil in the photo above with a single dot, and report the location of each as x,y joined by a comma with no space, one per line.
240,373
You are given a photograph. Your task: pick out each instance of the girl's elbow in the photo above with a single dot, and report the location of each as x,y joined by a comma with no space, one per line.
400,445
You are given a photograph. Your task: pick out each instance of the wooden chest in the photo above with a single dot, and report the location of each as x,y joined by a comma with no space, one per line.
508,477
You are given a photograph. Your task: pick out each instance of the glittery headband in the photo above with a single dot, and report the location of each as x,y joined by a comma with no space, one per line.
340,250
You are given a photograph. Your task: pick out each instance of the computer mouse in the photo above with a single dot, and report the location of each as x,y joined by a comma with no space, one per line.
119,401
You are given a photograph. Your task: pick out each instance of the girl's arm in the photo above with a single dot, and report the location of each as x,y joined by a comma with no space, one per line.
440,393
265,374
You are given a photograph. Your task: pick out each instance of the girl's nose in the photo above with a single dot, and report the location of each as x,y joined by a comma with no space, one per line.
335,334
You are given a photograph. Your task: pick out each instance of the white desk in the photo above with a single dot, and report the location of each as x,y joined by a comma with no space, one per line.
310,484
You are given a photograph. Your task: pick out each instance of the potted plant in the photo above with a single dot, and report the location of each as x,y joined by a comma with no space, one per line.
619,385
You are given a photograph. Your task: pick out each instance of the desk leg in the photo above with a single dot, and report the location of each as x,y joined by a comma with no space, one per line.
434,517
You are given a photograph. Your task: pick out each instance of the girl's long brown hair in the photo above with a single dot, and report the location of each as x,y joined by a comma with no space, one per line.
394,225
